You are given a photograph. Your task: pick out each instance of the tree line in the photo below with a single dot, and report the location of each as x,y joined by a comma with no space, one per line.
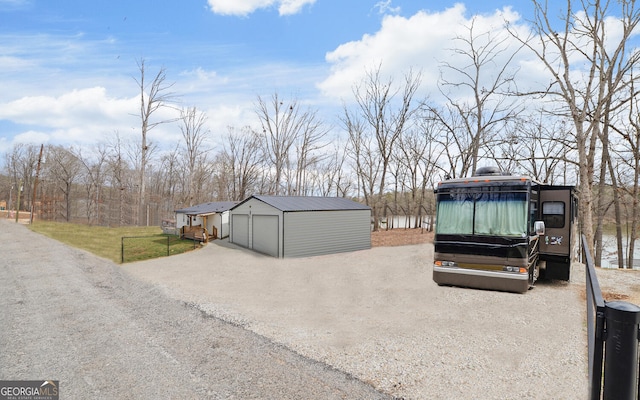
391,146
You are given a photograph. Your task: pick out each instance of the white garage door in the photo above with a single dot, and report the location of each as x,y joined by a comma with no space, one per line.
240,229
265,234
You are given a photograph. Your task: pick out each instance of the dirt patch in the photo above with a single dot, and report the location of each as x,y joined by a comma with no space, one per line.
613,296
619,285
400,237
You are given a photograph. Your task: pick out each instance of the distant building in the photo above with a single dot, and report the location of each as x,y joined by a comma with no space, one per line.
204,221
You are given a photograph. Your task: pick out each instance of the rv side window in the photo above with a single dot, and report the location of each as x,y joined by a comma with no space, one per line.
553,214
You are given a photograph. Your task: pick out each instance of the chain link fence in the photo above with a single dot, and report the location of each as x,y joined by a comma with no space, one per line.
138,248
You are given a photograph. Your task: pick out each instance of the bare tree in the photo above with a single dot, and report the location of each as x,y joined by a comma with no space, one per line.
587,67
485,76
364,156
154,95
418,155
448,122
194,133
285,128
21,164
280,128
628,173
242,161
120,178
170,182
307,147
93,177
542,146
63,169
332,178
384,119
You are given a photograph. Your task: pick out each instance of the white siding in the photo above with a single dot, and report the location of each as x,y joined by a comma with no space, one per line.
210,220
181,220
215,221
221,222
223,229
326,232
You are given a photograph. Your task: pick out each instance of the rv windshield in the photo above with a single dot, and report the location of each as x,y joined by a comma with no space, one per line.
482,213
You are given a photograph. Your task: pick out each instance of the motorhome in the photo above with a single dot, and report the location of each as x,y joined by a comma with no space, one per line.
502,232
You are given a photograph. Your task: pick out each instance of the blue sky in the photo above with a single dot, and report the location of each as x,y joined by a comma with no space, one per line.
67,67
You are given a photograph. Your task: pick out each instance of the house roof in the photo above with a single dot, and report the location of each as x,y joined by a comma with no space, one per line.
308,203
208,208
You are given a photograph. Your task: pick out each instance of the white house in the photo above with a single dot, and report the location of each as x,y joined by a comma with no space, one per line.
212,217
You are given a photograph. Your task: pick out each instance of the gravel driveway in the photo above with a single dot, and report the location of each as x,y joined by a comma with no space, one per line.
378,316
224,322
70,316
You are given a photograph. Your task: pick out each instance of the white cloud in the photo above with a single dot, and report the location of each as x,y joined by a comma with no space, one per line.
246,7
77,117
421,42
13,4
201,80
385,7
221,117
10,63
86,106
32,137
290,7
238,7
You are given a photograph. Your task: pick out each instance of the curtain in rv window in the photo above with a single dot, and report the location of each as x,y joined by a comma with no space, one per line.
494,213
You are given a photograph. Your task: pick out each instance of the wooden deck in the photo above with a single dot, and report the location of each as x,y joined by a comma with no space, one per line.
194,233
198,233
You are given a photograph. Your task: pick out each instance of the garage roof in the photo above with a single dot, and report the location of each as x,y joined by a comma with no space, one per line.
208,208
309,203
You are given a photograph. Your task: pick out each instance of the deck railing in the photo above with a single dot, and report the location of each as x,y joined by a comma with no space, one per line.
613,330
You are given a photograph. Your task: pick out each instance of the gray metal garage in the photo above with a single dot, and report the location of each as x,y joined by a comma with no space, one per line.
299,226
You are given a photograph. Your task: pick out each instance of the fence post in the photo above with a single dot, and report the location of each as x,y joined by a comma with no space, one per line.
168,253
122,250
621,351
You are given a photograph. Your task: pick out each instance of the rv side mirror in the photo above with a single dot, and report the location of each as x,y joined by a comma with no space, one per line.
539,227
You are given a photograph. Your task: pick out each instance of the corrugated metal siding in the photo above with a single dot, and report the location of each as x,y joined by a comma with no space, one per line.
326,232
265,234
240,230
311,203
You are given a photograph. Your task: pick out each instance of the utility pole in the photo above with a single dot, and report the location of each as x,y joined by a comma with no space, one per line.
18,202
9,206
35,185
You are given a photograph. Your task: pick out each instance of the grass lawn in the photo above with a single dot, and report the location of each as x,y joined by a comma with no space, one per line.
107,242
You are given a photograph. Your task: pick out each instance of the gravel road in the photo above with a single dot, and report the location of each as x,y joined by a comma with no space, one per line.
70,316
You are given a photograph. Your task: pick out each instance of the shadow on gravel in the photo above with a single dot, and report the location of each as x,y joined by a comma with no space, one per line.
552,283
